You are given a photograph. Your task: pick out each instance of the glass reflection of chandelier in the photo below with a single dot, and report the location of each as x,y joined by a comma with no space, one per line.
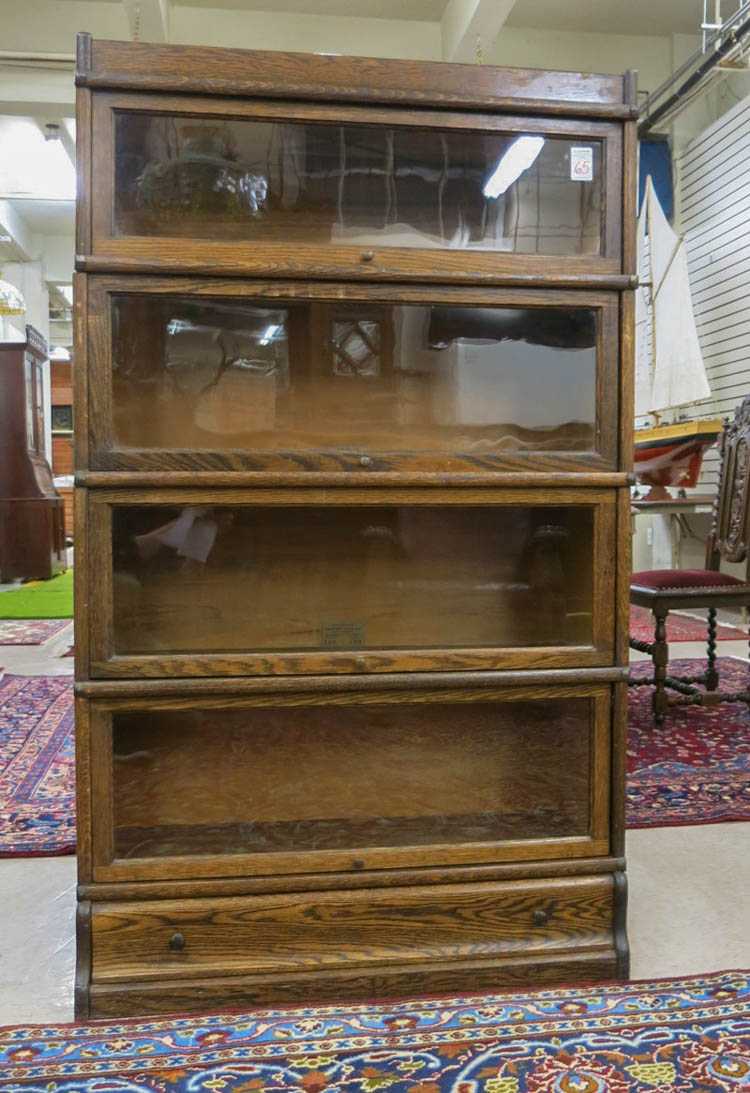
11,300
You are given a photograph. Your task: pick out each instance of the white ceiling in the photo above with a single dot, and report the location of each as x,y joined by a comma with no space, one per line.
647,17
614,16
420,10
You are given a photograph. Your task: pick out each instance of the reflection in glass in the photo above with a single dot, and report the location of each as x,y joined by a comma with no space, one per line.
356,347
233,578
361,776
352,377
362,185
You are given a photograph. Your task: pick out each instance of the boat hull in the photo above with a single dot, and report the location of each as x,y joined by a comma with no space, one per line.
672,455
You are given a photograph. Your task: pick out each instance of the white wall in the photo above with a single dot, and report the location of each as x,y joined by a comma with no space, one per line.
568,50
38,26
306,33
715,195
41,26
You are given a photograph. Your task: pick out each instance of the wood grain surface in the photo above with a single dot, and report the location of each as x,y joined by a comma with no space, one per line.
283,934
280,75
139,997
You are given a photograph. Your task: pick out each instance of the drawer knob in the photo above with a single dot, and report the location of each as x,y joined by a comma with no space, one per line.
365,461
540,917
368,255
177,943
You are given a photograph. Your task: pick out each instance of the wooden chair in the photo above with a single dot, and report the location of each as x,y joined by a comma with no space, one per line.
664,590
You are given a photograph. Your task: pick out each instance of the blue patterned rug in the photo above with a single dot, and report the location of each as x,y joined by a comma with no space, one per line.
669,1035
37,760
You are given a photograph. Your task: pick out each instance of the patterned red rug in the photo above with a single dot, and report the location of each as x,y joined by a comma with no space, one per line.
679,627
30,631
37,801
666,1036
695,768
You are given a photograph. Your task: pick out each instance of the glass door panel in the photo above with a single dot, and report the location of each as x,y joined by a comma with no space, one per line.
267,379
227,578
308,778
268,181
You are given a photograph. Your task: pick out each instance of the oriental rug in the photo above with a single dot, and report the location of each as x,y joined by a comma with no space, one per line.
37,797
666,1035
694,768
679,627
28,632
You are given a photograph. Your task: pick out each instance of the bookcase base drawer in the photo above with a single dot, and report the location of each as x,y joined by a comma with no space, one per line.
371,942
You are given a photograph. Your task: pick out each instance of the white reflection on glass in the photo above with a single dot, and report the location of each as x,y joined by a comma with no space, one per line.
270,333
521,155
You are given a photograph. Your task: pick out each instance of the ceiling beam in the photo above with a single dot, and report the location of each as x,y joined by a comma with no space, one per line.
68,137
57,252
36,90
64,134
469,27
15,234
148,20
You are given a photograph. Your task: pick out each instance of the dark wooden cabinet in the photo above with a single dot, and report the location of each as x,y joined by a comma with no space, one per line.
32,523
353,456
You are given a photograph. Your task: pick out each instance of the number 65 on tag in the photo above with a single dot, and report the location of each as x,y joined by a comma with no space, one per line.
582,164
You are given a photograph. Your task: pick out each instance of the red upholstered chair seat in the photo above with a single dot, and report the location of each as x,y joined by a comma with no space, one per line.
683,578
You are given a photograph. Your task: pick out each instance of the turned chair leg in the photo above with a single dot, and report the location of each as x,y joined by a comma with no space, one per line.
712,675
660,657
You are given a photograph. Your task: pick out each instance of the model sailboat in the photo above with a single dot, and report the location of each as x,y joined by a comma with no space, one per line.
669,371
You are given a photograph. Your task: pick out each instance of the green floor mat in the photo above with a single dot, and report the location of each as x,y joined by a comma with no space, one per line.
51,599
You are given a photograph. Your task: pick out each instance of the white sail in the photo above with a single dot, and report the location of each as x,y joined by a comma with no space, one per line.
644,355
669,363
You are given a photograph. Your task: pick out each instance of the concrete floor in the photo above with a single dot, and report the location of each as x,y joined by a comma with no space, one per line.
39,660
689,893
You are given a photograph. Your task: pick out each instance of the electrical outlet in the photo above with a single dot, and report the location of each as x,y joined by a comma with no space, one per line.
649,536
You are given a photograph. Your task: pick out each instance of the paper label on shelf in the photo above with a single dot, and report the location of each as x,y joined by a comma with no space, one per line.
582,164
342,635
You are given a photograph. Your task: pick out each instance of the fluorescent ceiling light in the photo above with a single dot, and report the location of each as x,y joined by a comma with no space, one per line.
270,333
517,159
177,326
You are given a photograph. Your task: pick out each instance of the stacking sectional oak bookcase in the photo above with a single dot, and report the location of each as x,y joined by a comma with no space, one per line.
353,439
